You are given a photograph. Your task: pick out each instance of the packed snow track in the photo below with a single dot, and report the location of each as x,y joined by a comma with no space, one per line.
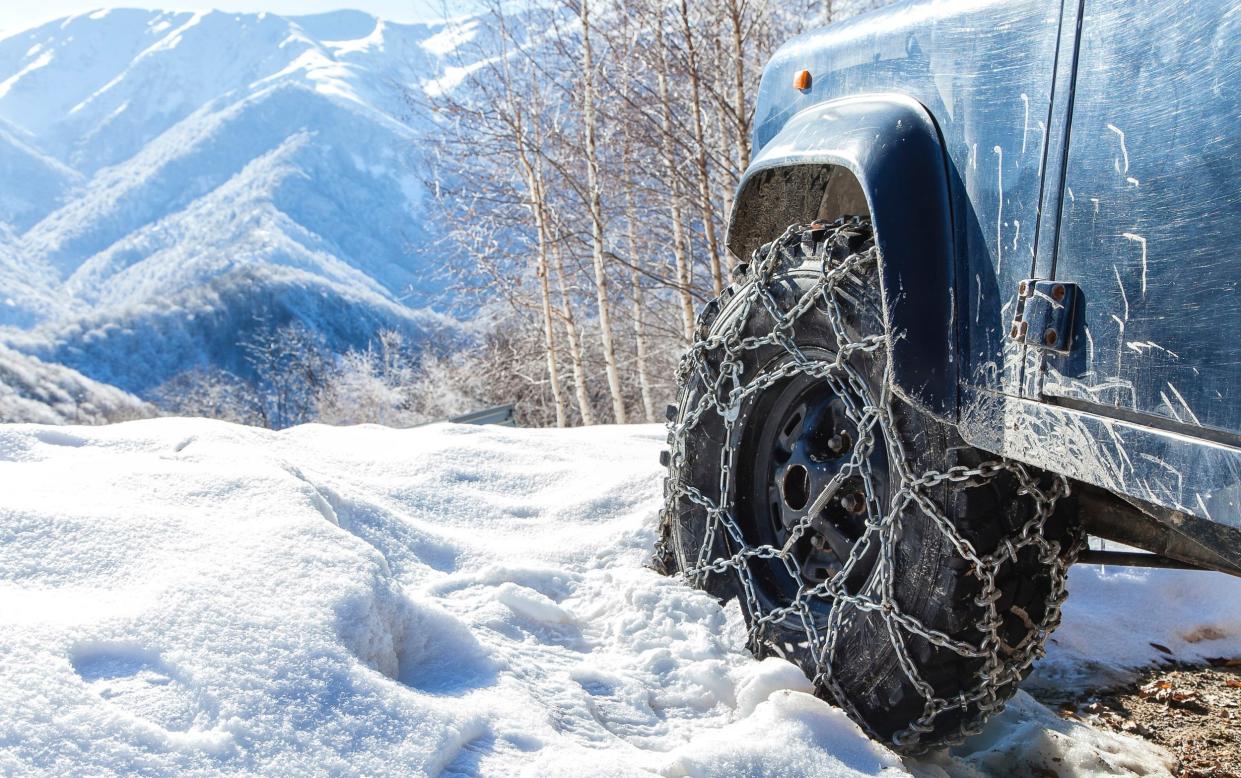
186,596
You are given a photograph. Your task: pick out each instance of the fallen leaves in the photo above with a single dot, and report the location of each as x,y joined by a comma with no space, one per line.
1162,691
1192,710
1204,633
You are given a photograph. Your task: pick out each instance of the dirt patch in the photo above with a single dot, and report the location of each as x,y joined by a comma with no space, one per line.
1193,711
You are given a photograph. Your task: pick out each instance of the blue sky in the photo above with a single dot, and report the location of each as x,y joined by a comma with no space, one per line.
18,14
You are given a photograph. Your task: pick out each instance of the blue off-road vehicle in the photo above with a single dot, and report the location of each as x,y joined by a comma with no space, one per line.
984,305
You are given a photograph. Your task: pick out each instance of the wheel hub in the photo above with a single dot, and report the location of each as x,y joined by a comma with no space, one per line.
804,487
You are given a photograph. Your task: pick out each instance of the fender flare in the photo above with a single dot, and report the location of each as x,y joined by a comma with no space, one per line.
892,147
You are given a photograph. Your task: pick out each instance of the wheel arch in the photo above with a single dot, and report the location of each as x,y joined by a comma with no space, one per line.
879,156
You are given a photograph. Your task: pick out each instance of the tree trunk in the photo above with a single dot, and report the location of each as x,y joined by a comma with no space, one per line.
668,149
706,212
545,299
575,341
639,327
596,220
538,207
639,302
726,128
736,22
631,232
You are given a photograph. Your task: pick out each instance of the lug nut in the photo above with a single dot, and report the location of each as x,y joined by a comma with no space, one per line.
854,502
840,443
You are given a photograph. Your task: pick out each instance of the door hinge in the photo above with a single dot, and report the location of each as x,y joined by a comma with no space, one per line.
1045,314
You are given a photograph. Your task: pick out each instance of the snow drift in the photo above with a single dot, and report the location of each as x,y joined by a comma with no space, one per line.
191,596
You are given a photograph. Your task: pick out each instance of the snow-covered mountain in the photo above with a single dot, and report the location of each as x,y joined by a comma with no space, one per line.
167,177
33,390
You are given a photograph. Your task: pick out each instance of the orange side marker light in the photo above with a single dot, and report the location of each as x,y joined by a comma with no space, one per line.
801,81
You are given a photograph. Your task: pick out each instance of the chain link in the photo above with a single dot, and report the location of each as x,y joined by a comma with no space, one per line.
714,363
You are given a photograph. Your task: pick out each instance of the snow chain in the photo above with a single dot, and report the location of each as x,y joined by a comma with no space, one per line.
725,395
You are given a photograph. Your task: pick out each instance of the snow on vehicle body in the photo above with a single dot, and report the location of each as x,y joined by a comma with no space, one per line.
1045,195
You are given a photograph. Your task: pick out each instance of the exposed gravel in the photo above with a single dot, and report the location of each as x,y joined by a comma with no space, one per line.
1194,711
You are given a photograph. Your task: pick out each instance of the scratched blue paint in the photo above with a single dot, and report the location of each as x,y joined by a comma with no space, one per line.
990,99
1152,230
1092,141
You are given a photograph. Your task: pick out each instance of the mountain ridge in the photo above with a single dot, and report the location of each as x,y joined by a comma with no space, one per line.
213,165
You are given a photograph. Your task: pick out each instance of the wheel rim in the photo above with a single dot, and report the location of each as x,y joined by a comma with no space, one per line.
802,437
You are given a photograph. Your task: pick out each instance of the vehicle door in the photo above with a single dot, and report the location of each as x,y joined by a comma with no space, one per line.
1150,218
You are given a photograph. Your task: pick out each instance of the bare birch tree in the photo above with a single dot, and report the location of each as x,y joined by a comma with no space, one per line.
586,165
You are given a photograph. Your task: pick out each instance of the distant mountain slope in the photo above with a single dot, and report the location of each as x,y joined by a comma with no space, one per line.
170,181
139,347
35,391
96,88
27,288
33,181
354,181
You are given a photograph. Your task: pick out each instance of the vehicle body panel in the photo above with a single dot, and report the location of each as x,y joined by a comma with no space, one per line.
992,131
890,144
1150,227
994,77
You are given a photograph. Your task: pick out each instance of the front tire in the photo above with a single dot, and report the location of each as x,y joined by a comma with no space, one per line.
911,577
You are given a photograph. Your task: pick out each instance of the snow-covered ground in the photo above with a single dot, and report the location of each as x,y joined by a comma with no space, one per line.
191,597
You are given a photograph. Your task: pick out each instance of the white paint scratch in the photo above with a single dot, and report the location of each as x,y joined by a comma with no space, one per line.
1180,484
1188,411
1168,404
1206,514
952,321
978,307
1042,142
1123,296
1123,150
1143,346
1140,240
999,217
1025,129
1120,446
1120,349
